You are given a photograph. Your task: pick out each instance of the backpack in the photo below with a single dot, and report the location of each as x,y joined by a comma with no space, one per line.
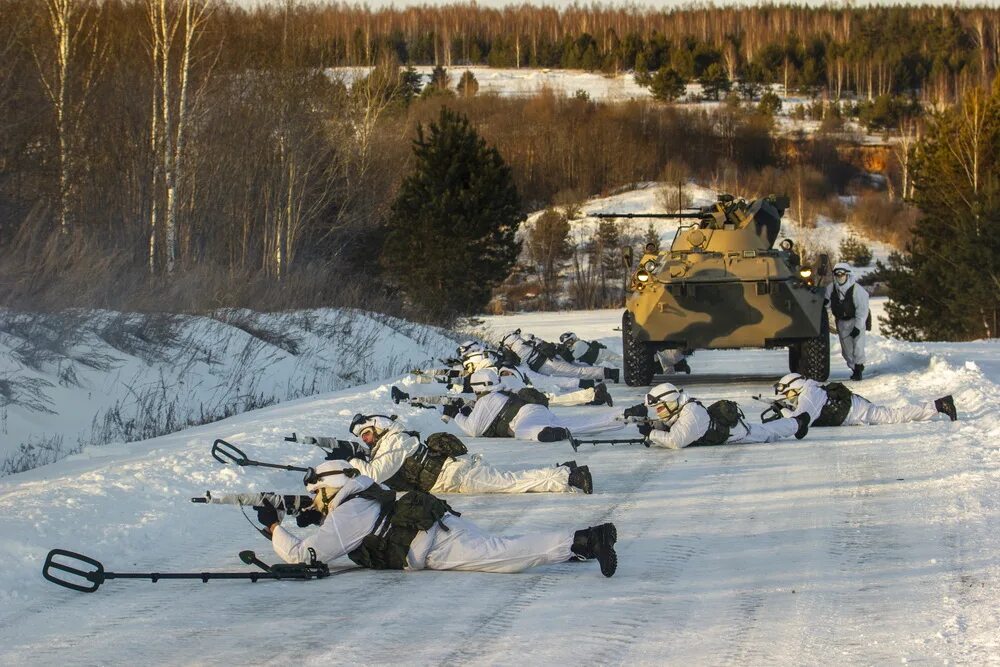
445,444
837,406
531,395
724,415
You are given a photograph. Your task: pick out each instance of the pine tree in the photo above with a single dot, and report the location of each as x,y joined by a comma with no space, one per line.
468,86
667,84
451,229
947,286
715,81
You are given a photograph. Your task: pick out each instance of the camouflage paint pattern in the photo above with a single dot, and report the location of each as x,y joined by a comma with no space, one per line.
722,285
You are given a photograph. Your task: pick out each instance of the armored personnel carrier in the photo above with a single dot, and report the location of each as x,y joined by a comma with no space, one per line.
723,285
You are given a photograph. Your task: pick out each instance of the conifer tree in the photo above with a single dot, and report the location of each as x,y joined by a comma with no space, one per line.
947,286
451,230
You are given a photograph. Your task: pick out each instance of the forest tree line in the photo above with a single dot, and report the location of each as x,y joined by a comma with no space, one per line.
184,155
936,52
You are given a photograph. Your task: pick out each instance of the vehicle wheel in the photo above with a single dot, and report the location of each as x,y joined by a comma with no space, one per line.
640,361
812,358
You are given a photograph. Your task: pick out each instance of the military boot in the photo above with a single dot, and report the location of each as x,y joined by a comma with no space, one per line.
804,420
613,374
579,478
682,366
598,542
553,434
946,405
398,395
601,396
858,370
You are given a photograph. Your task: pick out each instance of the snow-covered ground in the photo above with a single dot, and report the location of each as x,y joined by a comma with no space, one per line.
876,545
75,379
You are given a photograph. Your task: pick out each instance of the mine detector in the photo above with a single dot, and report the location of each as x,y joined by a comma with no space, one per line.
723,285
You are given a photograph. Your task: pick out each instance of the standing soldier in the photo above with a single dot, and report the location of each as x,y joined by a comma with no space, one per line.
849,305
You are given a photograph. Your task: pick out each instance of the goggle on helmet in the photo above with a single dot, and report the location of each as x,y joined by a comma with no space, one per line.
567,338
666,399
790,386
360,423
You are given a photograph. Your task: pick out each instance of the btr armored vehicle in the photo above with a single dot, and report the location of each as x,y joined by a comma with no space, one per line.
723,285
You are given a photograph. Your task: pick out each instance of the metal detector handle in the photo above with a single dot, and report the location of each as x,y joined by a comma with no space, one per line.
95,577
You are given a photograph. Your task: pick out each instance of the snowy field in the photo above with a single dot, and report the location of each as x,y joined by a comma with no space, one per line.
876,545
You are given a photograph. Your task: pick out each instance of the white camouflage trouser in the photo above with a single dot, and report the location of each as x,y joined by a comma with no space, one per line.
466,546
769,432
566,369
470,475
669,358
581,397
853,349
532,418
864,411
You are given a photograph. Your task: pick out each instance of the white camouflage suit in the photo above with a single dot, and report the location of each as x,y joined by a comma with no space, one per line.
693,422
553,366
467,474
529,420
812,398
565,399
464,546
853,349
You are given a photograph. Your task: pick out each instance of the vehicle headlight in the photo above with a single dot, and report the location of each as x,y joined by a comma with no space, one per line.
642,275
650,265
805,272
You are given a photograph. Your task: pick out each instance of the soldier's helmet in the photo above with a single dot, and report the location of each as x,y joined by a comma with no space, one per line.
485,381
371,427
667,400
568,338
790,386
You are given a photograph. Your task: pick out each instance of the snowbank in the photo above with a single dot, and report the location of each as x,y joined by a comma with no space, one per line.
91,378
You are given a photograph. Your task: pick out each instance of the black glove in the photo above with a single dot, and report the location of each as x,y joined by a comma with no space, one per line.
466,410
309,518
451,410
644,429
855,332
639,410
267,514
344,450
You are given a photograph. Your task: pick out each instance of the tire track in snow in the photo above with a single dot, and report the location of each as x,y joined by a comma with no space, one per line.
490,628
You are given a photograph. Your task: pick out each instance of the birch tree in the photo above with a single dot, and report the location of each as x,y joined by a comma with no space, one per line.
67,69
175,29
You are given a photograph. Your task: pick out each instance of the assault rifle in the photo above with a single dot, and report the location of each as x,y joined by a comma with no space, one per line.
773,413
439,375
429,402
291,505
335,449
576,442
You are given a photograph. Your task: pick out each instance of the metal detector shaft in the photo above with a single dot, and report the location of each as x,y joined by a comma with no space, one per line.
89,580
576,442
225,452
